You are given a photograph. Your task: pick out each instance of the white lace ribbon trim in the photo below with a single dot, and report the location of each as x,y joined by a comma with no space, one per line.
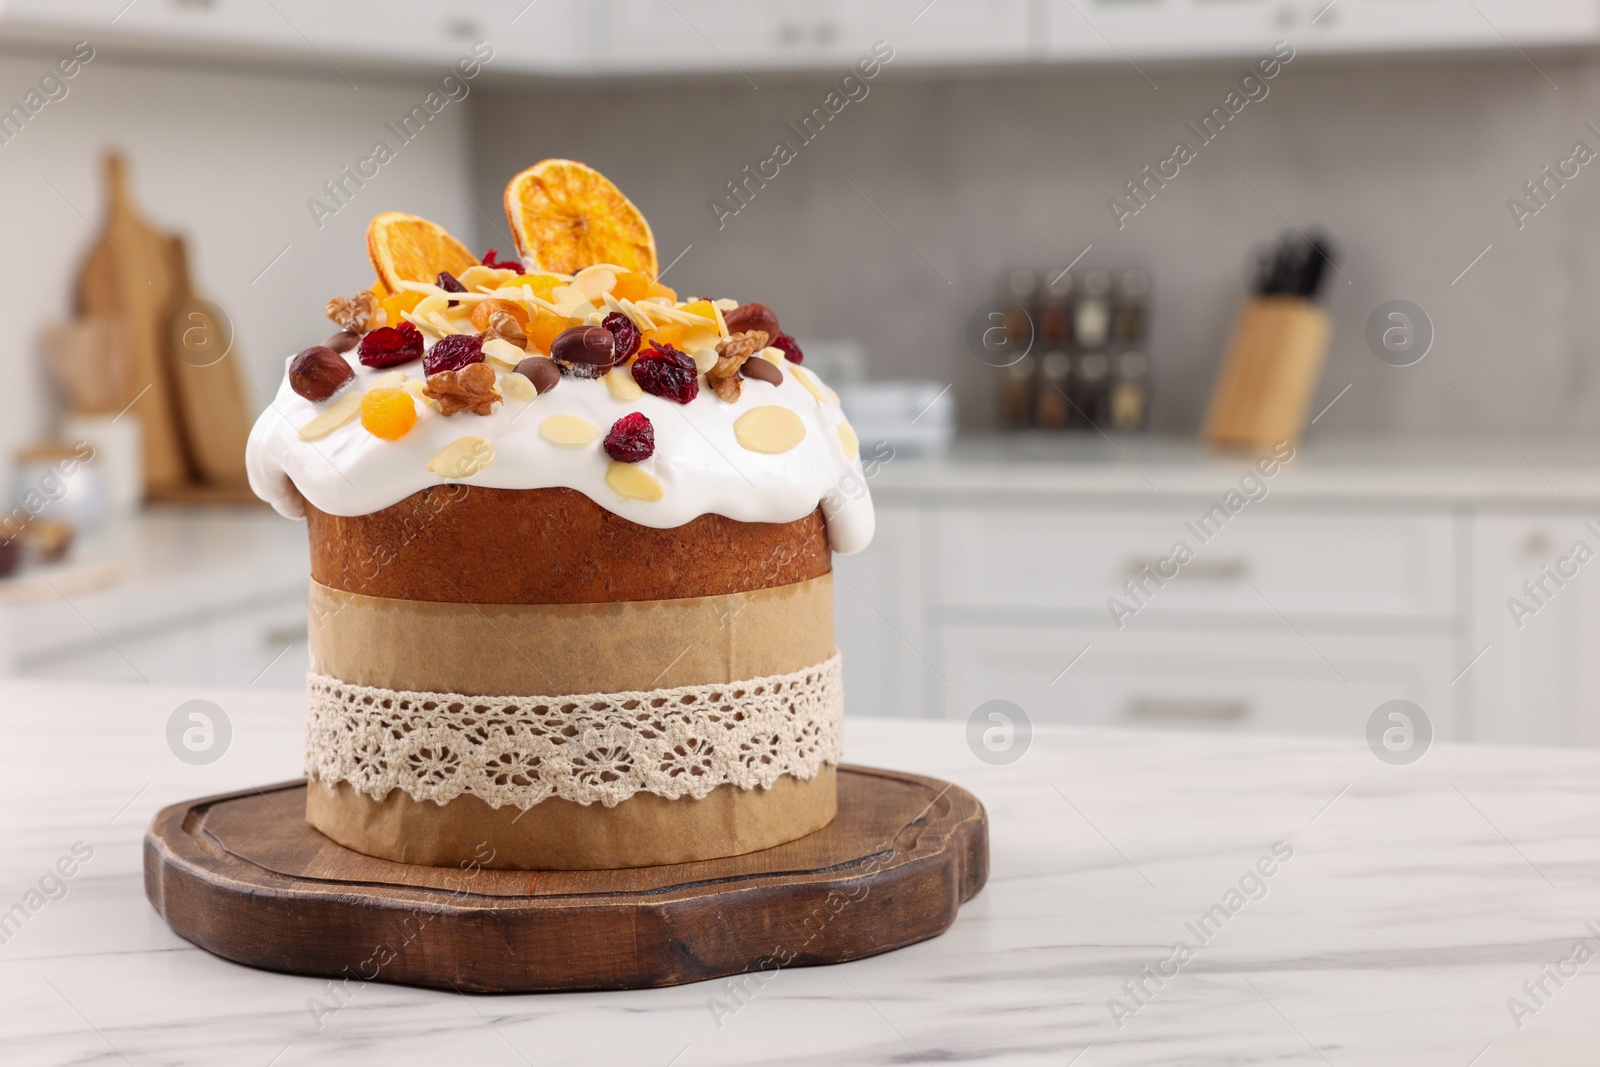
589,748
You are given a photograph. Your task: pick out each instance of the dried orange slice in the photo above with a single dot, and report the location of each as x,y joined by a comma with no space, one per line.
567,216
410,248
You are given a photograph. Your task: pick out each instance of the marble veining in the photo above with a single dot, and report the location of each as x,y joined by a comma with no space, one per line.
1417,903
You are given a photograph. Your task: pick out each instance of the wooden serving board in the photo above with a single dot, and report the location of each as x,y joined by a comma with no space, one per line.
242,875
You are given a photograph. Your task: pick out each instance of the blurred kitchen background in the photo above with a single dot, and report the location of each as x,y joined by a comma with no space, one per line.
959,238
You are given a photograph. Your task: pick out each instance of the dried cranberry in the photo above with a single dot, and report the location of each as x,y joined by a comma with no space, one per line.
490,260
631,439
448,283
624,331
452,352
790,347
665,371
388,346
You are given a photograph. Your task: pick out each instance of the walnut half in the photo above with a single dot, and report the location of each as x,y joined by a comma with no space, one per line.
469,389
731,355
354,314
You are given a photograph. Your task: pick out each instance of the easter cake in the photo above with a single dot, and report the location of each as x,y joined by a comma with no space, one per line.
571,539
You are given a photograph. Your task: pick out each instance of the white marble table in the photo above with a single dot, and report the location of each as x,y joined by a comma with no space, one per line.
1417,901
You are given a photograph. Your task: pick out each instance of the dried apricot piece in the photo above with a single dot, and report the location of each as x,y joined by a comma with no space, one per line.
396,305
388,413
541,285
670,334
631,286
567,216
545,327
484,309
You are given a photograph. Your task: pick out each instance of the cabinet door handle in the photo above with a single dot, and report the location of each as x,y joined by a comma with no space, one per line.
1206,570
1179,709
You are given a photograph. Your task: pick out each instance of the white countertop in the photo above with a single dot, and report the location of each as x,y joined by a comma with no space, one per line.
172,565
1417,901
1045,468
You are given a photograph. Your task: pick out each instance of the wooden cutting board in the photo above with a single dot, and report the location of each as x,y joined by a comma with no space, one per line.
204,362
244,876
128,274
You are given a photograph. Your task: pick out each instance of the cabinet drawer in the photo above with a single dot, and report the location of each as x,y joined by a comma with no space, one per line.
1302,563
1246,682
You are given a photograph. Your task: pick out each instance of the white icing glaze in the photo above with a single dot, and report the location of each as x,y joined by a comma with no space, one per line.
699,463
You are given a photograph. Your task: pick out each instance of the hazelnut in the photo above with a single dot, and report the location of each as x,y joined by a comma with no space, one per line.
751,317
318,372
584,351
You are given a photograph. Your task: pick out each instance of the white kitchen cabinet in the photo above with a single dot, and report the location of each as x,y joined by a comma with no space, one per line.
1535,615
1257,562
750,35
1357,580
263,645
1117,30
548,36
1272,680
880,621
619,37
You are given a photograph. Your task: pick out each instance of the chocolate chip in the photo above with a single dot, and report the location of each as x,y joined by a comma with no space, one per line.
762,370
542,372
343,341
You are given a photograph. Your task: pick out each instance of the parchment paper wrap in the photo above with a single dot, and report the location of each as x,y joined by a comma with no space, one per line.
491,650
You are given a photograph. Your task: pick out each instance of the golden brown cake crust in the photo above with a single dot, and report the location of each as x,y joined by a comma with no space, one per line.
473,545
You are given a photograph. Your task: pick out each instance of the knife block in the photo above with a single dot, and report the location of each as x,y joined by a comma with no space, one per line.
1270,372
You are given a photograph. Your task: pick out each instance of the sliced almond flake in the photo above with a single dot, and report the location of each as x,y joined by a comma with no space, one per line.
407,286
594,280
725,304
430,332
623,388
393,380
416,387
804,377
568,430
628,481
671,314
478,278
630,309
638,315
505,353
704,358
332,417
773,354
528,298
431,305
462,458
517,387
